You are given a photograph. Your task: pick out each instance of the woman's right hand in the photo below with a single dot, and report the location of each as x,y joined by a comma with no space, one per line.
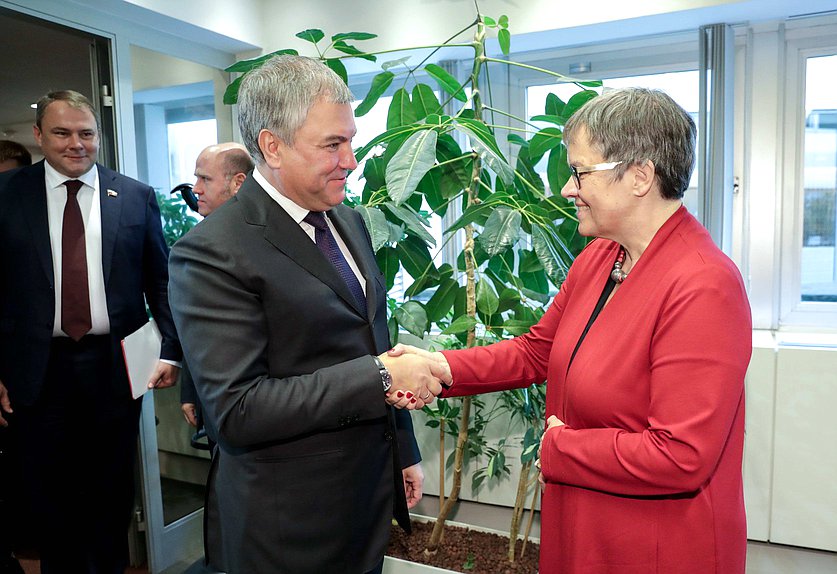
401,349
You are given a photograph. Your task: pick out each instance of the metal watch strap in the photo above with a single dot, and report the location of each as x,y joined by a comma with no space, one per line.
386,378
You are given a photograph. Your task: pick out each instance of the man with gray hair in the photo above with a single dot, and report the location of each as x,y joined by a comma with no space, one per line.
282,312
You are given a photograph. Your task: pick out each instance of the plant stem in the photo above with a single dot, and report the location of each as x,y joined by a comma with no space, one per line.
519,506
562,77
441,463
470,289
433,47
531,519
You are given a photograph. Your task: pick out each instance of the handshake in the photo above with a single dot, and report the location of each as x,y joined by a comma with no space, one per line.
417,376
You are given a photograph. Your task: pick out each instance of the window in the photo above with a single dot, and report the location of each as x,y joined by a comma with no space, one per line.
819,177
808,263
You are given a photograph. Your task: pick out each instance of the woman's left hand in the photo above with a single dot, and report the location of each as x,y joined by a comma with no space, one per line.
551,422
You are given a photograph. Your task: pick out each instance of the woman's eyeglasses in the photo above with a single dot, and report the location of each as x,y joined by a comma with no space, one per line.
577,170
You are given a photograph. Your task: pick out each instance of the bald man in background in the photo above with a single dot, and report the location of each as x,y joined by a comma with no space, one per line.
220,170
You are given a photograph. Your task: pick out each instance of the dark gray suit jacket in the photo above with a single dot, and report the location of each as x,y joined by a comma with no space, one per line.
134,262
306,473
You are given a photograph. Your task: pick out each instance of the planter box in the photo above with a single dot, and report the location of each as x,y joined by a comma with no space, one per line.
398,566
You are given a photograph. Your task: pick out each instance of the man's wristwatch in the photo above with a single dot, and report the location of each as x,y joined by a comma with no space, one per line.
386,378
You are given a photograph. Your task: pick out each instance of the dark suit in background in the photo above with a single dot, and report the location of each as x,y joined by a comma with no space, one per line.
75,417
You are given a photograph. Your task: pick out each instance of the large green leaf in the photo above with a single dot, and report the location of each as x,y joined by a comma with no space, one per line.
477,213
401,110
504,38
536,283
577,100
447,82
543,141
349,49
509,299
353,36
557,120
529,262
430,187
388,262
395,63
425,102
502,229
253,63
408,166
339,68
312,35
380,83
487,300
392,135
415,257
420,285
376,223
557,169
517,327
461,324
483,142
442,300
374,172
414,222
231,93
447,148
554,105
547,249
412,317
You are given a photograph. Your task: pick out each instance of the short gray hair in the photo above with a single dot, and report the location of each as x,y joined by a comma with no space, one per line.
634,125
277,96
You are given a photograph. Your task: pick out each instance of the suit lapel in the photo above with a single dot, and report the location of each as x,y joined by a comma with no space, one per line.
285,234
35,211
111,209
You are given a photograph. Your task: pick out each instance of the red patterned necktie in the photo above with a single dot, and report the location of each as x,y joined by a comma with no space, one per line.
328,246
75,294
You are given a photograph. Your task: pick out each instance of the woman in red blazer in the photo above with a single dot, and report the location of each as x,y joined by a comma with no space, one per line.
644,351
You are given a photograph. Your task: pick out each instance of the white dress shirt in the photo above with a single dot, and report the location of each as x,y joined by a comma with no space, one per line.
298,213
91,214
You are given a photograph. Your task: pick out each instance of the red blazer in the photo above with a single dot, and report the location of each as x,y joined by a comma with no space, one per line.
645,476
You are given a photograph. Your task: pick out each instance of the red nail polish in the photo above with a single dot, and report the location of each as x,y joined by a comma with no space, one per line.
412,400
399,394
409,395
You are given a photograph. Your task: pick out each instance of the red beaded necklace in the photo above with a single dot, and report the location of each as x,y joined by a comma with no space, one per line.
617,274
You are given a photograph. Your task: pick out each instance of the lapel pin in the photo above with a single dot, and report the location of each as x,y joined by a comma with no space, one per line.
112,193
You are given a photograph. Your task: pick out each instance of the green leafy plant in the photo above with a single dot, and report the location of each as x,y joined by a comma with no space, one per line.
177,218
440,153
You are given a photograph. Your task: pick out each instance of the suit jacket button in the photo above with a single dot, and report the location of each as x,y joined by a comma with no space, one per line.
388,435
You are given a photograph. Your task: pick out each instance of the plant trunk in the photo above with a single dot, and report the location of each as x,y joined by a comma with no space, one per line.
531,517
519,507
461,439
470,289
441,464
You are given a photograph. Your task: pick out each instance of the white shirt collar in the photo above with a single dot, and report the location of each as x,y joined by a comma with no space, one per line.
55,179
296,212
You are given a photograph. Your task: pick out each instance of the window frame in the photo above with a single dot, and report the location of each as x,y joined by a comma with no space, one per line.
801,43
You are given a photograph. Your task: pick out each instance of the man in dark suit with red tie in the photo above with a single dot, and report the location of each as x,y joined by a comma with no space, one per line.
81,252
